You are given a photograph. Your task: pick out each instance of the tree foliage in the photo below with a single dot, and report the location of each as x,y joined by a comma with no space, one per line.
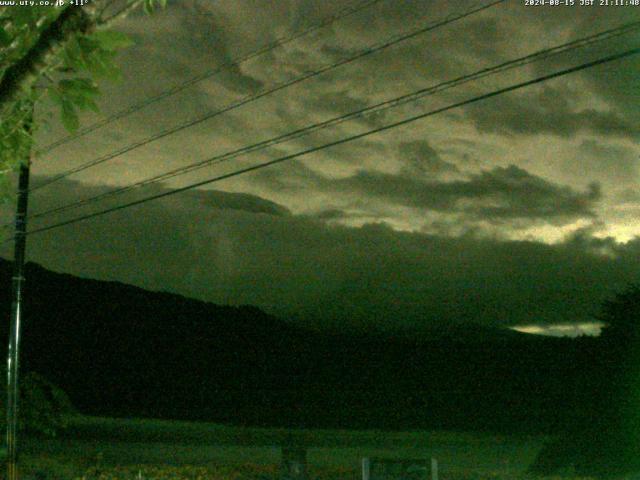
59,53
606,442
44,407
621,316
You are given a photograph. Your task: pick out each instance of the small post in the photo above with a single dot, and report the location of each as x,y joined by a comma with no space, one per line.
16,317
366,468
294,462
434,469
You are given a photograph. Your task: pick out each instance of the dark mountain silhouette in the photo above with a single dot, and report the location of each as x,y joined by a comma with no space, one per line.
122,351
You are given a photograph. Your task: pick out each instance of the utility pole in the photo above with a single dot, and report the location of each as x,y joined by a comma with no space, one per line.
20,240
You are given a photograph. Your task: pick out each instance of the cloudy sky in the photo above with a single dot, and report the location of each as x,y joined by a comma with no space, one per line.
520,210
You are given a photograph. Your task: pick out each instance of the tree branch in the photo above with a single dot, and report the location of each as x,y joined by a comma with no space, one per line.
123,12
22,75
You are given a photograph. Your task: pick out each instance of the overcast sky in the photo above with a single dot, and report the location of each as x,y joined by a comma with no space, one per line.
520,210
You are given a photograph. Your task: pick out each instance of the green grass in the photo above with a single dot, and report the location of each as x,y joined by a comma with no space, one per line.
109,448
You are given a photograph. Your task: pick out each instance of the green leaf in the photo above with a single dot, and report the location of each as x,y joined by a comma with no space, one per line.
79,87
55,95
24,16
73,94
100,64
111,40
91,105
97,60
72,55
5,38
69,116
14,144
110,70
88,48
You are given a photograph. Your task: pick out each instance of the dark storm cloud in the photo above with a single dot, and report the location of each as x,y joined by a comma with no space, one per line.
210,200
545,112
497,194
331,214
518,194
369,277
616,83
237,201
620,87
344,102
206,26
182,42
337,102
421,158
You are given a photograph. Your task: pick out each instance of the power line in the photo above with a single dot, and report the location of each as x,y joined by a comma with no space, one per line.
279,42
405,121
253,97
397,101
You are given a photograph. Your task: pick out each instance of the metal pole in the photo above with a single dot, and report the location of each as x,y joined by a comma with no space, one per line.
14,328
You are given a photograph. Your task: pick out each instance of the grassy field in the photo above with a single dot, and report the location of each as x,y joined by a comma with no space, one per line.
151,449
